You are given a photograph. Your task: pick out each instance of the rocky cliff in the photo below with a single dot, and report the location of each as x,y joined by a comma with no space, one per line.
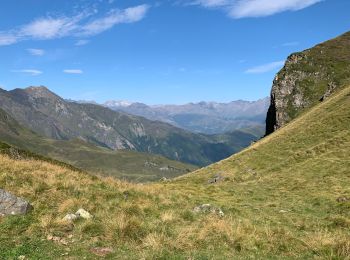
308,77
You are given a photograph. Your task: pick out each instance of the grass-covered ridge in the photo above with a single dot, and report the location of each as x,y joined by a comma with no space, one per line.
279,198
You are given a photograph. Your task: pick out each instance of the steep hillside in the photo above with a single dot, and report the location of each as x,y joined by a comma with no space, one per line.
285,197
47,114
203,117
308,78
129,165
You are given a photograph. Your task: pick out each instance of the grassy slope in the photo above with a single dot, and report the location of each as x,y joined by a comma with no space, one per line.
279,198
122,164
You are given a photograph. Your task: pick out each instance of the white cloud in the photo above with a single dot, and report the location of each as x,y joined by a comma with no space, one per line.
50,28
212,3
129,15
288,44
256,8
32,72
36,52
7,39
73,71
265,67
81,42
58,27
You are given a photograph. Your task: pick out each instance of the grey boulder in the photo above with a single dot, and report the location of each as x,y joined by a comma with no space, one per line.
12,205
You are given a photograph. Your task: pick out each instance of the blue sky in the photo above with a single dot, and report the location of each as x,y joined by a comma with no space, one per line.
157,52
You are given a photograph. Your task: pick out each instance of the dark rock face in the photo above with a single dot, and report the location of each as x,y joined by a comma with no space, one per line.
308,77
12,205
271,117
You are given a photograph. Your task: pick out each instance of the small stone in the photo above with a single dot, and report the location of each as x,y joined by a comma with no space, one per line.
216,179
56,239
202,208
83,214
343,199
63,241
70,217
101,251
207,208
21,257
283,211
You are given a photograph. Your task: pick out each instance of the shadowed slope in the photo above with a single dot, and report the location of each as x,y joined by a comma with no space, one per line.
129,165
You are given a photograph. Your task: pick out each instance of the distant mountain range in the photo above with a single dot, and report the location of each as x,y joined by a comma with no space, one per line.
202,117
50,116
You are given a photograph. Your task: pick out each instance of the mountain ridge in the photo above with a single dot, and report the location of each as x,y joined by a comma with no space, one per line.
42,111
129,165
202,117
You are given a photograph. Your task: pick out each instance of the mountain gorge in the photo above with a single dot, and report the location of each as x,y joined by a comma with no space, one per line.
49,115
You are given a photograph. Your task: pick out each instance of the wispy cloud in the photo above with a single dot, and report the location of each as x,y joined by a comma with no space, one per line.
7,38
36,52
50,28
84,24
73,71
255,8
265,67
81,42
32,72
129,15
289,44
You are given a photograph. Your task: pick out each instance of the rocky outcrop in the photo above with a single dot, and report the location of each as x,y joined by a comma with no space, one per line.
308,77
12,205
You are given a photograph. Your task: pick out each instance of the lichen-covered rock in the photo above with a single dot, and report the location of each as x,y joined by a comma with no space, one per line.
70,217
217,178
82,213
101,251
208,208
12,205
308,77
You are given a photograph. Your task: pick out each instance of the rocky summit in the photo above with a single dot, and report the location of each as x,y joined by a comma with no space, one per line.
308,78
